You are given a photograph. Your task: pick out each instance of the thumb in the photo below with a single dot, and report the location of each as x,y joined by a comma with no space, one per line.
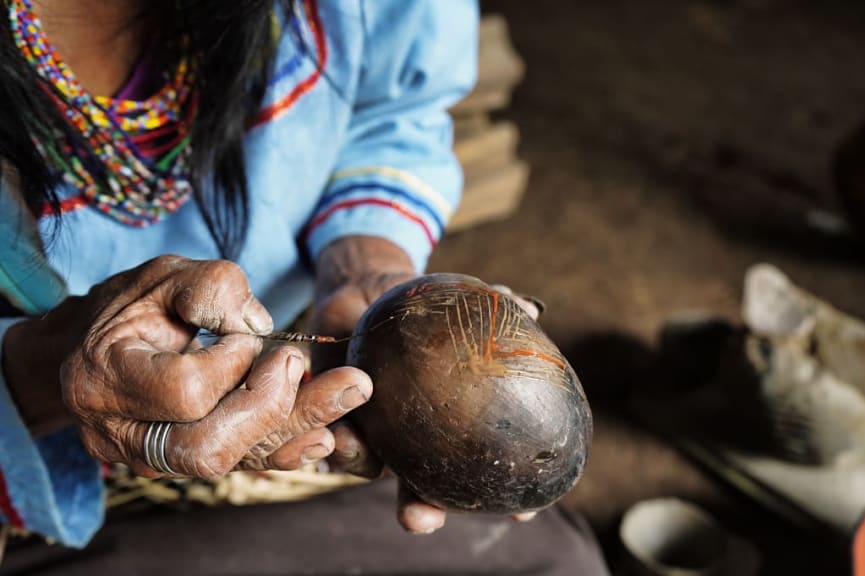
415,515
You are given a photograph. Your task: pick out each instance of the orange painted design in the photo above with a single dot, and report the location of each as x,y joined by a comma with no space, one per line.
534,354
491,344
859,551
419,289
283,105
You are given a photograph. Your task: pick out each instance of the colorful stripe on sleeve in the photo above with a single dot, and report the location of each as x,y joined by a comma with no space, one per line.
388,189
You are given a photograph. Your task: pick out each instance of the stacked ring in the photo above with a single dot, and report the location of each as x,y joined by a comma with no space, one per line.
154,447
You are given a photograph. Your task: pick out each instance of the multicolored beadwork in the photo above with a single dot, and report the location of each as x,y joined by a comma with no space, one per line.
140,150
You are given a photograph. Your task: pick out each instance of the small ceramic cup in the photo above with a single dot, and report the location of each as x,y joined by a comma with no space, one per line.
670,537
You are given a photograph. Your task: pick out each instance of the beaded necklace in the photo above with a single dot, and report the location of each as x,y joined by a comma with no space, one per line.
132,159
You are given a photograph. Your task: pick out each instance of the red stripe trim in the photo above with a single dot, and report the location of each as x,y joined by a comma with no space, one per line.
320,218
6,505
67,205
283,105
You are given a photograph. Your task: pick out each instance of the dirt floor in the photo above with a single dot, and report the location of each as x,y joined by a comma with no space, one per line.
673,143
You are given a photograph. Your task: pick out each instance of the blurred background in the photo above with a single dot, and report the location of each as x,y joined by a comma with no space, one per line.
629,160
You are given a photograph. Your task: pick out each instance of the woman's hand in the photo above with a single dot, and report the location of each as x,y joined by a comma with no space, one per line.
351,274
123,357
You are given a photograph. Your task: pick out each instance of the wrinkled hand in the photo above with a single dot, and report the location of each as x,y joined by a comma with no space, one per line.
135,365
351,274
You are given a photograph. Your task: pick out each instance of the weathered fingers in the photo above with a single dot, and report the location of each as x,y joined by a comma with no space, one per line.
215,444
319,403
139,382
351,454
415,515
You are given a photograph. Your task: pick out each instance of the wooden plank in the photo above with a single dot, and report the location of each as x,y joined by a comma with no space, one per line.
495,179
482,101
468,125
499,65
494,146
493,196
500,69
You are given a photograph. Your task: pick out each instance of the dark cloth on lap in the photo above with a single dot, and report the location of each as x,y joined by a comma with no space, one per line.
353,531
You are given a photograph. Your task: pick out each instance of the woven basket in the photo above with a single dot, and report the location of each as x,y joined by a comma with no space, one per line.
237,488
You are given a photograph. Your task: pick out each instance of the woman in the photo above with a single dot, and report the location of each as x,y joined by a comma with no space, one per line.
288,152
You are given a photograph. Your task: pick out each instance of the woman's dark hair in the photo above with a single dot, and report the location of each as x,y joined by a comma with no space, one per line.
236,45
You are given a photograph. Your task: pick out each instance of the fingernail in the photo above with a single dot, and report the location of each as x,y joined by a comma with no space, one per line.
539,304
257,317
314,453
351,398
295,364
426,527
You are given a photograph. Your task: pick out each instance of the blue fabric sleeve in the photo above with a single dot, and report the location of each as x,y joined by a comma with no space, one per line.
52,484
396,176
25,278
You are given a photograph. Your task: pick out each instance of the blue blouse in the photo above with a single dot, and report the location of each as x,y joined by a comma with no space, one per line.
353,137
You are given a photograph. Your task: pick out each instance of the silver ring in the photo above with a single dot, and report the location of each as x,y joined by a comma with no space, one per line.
154,447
